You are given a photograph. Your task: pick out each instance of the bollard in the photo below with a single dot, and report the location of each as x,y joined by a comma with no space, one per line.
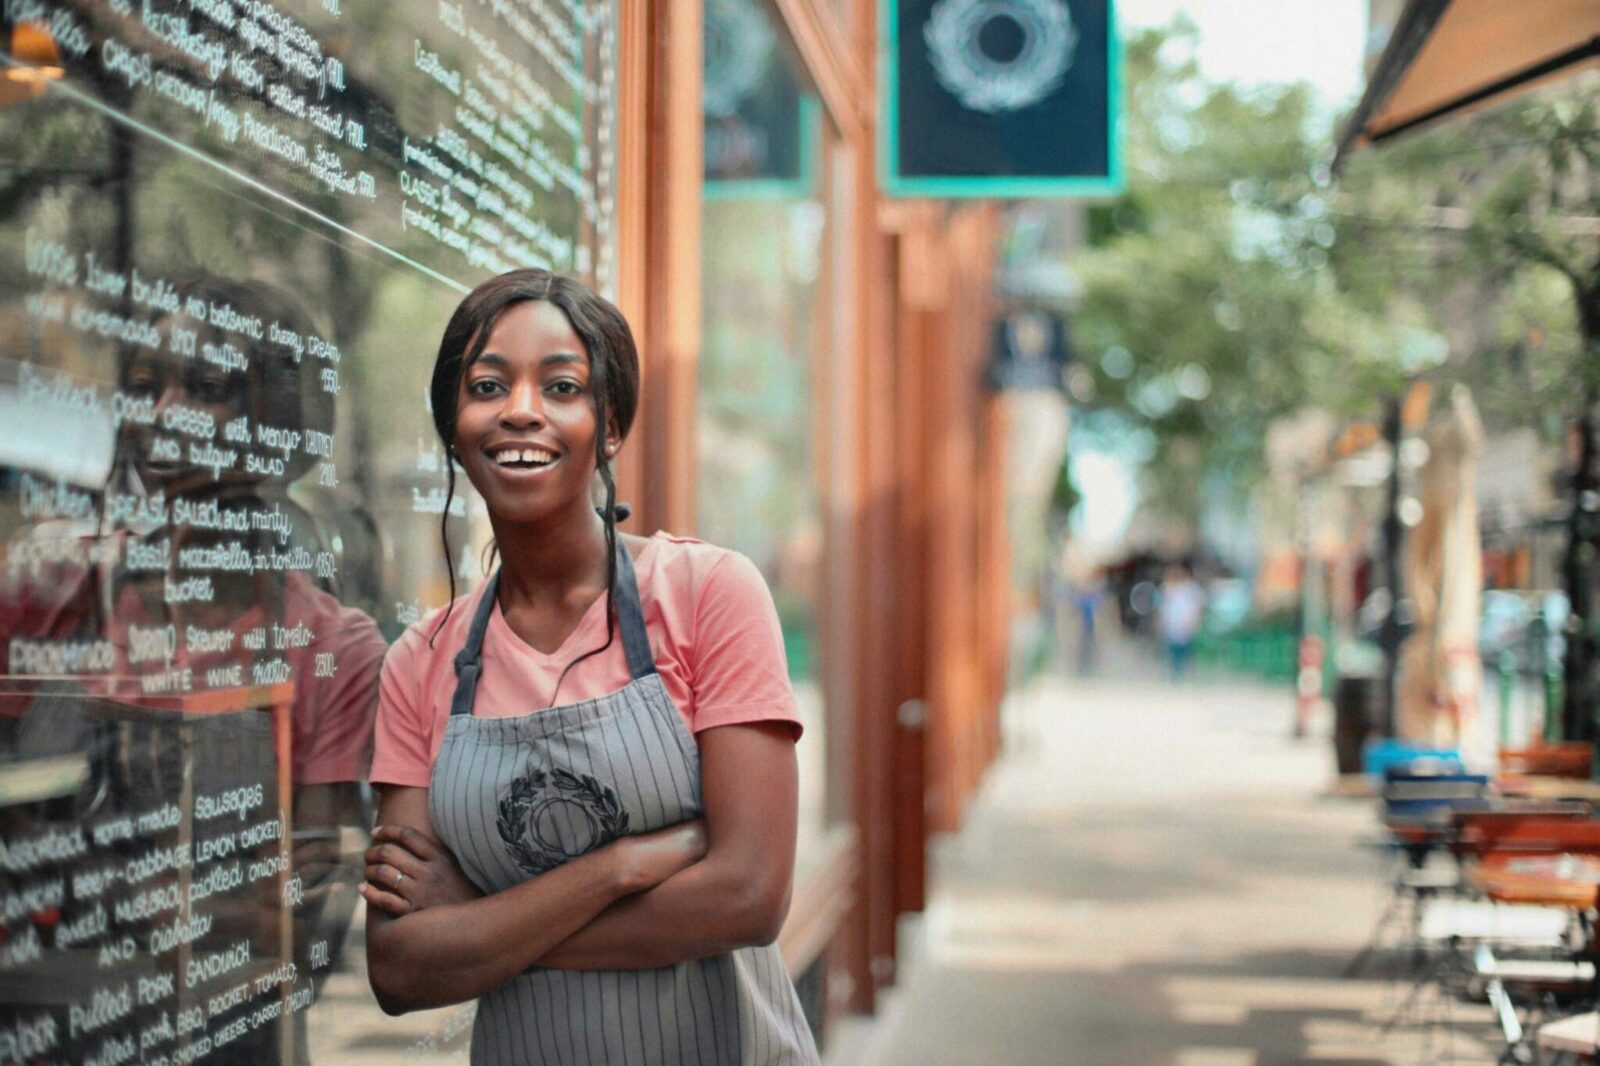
1308,683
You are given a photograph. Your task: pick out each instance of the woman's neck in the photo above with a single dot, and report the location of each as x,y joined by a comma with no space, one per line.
551,561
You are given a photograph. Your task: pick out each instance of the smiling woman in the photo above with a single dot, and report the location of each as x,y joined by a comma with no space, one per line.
607,875
523,406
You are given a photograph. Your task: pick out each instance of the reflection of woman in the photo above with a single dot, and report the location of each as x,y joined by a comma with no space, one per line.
558,736
186,602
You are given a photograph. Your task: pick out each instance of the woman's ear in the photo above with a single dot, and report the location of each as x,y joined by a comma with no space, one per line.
613,438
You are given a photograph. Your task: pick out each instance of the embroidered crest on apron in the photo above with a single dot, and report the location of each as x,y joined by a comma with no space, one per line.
515,797
548,818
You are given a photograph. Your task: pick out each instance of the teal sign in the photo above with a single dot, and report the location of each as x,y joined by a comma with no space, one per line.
1000,98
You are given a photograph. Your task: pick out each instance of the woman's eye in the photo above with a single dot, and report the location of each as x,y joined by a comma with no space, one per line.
566,387
213,391
482,387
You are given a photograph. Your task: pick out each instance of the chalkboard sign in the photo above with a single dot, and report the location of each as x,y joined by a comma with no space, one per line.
1000,98
231,232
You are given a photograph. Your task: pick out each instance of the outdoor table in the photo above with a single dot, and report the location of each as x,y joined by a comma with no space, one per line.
1539,786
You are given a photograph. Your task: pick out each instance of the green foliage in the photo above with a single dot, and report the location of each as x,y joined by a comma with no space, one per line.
1206,303
1490,226
1236,281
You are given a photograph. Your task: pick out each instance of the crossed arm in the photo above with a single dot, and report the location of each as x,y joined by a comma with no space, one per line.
639,902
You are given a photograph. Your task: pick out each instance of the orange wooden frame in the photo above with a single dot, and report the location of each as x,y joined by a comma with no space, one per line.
914,614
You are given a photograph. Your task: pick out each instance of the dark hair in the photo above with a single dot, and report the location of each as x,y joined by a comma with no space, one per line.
613,378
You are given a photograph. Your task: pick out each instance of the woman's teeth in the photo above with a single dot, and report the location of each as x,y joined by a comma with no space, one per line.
523,457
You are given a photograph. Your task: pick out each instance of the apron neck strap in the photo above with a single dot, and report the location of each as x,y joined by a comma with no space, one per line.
630,620
469,660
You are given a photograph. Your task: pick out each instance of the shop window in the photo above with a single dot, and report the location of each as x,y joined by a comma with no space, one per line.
230,238
765,342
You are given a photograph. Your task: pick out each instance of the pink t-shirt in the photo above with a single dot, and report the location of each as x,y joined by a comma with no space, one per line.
717,642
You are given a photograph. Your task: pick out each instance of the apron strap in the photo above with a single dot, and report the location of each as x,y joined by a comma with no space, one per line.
630,618
469,660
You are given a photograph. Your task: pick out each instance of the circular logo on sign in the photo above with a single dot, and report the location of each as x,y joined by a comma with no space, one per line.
738,49
1000,55
550,817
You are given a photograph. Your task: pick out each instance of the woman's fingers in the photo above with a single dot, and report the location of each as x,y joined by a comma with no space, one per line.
397,856
385,901
390,879
406,837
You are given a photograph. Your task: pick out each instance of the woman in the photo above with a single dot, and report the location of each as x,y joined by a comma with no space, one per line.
587,767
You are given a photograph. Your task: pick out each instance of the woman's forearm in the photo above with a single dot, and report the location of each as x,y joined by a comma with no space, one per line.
453,953
707,909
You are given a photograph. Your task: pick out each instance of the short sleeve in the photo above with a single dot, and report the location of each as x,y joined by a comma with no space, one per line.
337,715
739,673
402,751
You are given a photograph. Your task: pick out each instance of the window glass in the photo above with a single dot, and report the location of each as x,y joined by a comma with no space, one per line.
230,237
764,335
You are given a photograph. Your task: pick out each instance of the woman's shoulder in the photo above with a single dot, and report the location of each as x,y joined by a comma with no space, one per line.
693,571
687,561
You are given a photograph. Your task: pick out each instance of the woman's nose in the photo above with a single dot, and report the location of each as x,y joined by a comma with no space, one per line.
523,406
171,396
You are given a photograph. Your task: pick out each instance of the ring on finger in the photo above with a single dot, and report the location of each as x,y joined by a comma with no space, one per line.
399,875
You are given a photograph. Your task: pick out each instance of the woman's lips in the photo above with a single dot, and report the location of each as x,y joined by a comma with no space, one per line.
520,468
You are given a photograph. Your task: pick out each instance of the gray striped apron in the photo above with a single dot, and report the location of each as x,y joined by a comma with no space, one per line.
514,797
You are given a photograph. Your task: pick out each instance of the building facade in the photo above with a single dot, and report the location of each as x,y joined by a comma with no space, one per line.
268,211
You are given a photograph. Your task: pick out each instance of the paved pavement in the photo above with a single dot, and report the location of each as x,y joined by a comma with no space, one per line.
1153,874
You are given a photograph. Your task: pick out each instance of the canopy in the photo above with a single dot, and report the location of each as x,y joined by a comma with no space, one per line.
1447,57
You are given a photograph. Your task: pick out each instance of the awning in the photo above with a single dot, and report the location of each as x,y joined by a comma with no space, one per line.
1448,57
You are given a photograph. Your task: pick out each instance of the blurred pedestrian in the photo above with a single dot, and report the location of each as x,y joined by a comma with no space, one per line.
1086,597
1179,615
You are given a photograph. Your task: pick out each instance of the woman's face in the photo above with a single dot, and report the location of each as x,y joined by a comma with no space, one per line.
190,394
525,421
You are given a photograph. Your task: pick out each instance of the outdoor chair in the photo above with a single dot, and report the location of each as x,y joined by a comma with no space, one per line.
1539,986
1418,810
1572,759
1538,873
1514,833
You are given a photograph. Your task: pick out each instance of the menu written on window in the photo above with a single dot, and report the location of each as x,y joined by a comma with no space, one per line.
231,232
475,139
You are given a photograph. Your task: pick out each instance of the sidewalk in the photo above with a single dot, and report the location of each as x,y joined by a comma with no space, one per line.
1151,875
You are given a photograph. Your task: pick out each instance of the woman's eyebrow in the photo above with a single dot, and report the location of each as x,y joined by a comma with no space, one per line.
559,357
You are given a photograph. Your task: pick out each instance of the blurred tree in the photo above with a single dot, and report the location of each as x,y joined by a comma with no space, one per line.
1492,225
1206,308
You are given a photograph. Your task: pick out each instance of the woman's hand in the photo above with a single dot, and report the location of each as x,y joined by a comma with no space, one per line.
648,859
407,872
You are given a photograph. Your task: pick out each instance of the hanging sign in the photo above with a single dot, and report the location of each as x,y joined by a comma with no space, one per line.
1029,351
1000,98
760,125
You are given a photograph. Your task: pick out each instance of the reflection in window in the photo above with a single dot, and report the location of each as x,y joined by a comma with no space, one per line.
763,243
230,237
